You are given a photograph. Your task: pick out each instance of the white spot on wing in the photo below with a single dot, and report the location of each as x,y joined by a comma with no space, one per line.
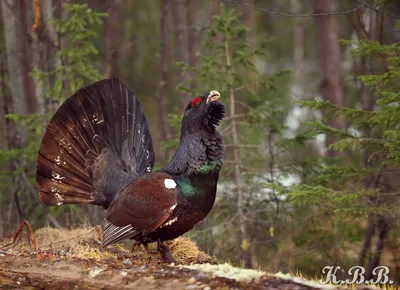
166,224
169,183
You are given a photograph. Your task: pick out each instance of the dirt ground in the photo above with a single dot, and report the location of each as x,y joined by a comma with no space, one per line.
74,260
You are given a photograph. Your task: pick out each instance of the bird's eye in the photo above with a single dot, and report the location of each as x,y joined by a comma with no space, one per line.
195,102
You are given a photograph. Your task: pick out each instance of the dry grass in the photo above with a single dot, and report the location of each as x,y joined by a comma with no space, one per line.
80,242
184,250
85,243
49,238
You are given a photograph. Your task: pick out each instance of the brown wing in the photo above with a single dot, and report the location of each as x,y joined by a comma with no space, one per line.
144,204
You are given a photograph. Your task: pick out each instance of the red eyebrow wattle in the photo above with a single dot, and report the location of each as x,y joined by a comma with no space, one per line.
195,100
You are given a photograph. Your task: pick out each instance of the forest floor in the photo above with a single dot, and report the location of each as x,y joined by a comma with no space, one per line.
72,259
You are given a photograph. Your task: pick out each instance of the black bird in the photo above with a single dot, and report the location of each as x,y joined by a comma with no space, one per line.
97,150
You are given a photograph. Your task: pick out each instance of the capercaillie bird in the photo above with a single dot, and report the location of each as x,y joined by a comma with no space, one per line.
97,149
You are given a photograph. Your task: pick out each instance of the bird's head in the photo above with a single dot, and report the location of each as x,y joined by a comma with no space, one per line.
203,113
201,147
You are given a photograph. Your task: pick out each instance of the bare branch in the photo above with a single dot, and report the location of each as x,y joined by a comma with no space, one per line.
299,15
237,116
242,146
380,11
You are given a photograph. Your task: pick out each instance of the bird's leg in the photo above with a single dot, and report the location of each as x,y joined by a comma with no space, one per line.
165,252
137,245
17,235
146,247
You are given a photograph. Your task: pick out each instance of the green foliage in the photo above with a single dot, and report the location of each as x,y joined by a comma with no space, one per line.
227,37
76,69
372,133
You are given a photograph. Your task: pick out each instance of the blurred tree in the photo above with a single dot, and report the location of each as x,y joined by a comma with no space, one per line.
182,52
21,52
44,42
165,78
114,33
330,61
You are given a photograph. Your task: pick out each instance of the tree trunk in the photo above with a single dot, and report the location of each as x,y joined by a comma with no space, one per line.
367,240
44,43
371,25
27,47
11,23
32,102
193,33
4,105
114,37
164,73
298,49
383,230
330,60
243,235
179,20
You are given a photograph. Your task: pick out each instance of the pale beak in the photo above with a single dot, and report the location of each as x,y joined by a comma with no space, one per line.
213,96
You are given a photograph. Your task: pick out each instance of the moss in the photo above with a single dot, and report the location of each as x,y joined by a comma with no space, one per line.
229,272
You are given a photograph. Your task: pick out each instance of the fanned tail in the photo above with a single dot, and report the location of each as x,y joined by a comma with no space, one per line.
97,142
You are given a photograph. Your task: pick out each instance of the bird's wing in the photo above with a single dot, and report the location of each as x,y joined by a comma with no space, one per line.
97,142
143,205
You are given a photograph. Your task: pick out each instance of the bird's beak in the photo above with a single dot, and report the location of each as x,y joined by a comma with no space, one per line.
213,96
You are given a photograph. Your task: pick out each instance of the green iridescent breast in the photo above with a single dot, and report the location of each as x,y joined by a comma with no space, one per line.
200,182
209,167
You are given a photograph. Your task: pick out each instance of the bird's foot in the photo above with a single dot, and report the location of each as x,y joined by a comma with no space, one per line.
165,252
137,245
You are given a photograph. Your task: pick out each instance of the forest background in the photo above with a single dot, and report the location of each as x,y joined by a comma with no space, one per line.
312,94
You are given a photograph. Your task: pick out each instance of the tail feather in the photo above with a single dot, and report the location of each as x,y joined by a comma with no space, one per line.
96,142
113,234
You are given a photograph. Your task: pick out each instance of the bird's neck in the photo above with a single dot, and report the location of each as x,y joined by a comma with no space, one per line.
195,167
198,153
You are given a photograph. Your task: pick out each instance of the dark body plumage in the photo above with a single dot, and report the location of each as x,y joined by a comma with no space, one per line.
98,150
